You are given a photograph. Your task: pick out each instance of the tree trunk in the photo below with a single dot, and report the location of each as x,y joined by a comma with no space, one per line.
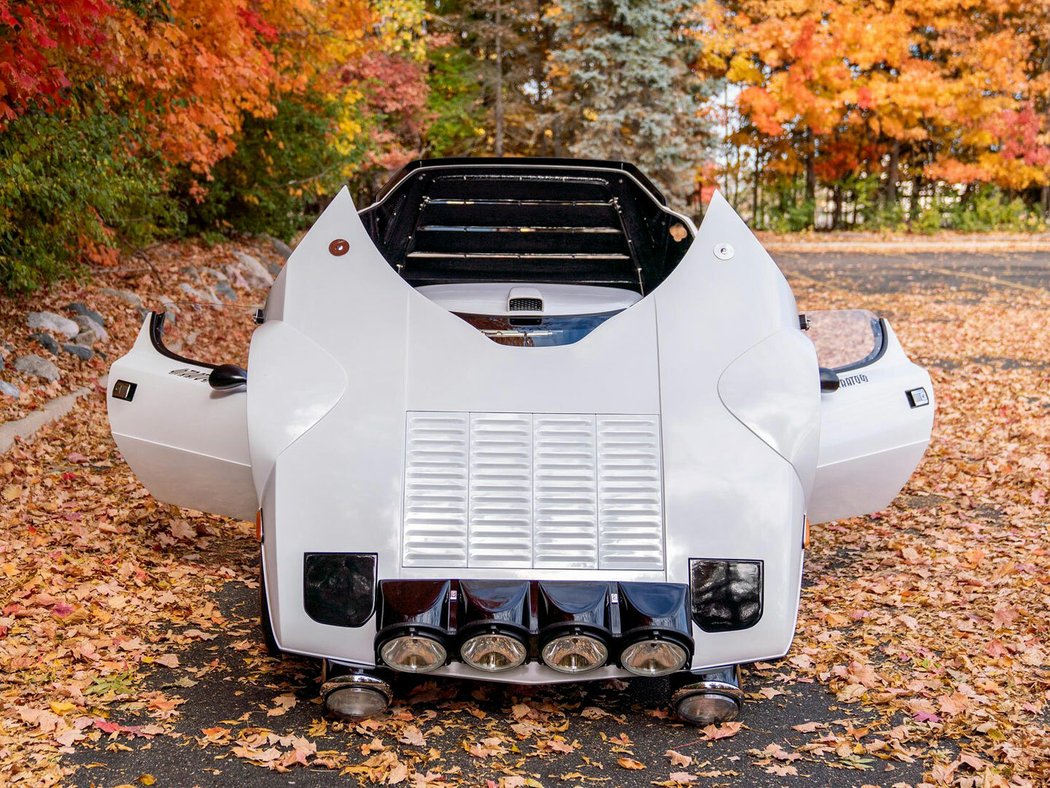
916,193
811,179
499,80
836,217
756,206
1044,198
892,175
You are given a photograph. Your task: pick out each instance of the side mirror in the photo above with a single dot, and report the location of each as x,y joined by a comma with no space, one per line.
227,377
829,381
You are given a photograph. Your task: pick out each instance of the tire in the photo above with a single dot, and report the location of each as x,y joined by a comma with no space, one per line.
264,621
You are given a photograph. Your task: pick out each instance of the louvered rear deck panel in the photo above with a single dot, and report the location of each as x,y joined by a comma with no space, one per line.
523,490
436,476
500,513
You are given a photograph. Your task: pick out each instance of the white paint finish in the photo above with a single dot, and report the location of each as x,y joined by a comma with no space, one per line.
177,475
611,370
491,298
436,490
871,438
274,307
500,490
187,444
293,384
864,483
727,493
630,494
784,363
340,486
335,479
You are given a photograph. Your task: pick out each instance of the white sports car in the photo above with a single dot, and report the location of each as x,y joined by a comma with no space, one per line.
519,421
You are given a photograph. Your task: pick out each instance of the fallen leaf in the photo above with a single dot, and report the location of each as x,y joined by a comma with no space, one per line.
630,763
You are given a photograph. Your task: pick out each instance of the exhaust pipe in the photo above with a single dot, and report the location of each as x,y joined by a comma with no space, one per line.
354,694
713,698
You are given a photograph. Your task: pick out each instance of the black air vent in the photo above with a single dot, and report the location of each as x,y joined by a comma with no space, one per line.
525,305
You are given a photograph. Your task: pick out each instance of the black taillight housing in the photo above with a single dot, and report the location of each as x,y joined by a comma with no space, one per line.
339,589
726,594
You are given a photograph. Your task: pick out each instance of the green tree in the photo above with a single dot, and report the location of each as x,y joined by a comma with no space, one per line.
622,88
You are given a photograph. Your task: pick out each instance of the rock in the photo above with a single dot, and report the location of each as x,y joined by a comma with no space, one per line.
218,276
86,339
191,272
124,295
80,351
88,324
82,309
279,246
46,341
225,291
236,278
254,272
55,324
9,390
170,309
38,367
201,296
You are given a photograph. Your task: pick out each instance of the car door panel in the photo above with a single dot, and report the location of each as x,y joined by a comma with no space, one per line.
876,426
185,442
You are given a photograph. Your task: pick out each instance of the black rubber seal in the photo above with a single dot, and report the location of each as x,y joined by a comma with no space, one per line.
156,333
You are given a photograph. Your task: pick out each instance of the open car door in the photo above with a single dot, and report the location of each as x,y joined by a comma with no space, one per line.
187,443
876,425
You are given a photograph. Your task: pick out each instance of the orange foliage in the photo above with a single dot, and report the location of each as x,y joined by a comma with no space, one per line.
962,86
195,69
199,73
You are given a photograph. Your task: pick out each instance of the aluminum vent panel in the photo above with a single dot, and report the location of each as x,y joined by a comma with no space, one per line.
523,490
436,473
630,495
500,513
565,490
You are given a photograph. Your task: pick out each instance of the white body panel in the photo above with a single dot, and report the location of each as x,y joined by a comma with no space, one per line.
871,436
490,298
689,425
187,444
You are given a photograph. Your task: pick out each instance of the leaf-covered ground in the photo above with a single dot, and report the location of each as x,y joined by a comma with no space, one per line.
130,654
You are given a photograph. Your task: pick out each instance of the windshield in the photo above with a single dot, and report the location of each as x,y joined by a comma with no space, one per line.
537,331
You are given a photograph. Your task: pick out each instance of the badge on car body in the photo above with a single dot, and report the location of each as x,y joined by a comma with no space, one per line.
918,397
124,390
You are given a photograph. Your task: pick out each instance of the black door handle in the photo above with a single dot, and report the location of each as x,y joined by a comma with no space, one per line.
829,380
227,377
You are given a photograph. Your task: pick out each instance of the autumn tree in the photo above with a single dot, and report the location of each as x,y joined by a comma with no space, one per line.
849,93
124,119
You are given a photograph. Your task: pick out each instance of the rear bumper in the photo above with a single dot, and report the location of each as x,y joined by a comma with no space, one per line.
534,612
341,591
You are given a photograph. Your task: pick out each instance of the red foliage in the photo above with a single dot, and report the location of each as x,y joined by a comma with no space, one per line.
38,38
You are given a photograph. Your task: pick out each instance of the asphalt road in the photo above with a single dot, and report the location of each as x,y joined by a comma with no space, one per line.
968,275
236,682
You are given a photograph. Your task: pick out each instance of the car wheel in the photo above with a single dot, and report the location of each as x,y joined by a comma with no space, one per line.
264,621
